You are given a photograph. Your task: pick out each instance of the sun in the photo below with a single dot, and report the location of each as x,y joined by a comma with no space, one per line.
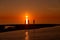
26,19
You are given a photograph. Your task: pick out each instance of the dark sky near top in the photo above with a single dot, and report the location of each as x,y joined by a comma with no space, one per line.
42,8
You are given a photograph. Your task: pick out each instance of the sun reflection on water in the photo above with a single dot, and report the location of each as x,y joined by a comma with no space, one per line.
26,35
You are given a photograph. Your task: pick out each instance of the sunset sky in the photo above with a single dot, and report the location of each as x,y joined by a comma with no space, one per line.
43,11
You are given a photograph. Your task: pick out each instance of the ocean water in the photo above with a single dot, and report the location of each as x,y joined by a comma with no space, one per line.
50,33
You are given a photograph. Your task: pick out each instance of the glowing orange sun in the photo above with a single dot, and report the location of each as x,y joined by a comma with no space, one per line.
26,19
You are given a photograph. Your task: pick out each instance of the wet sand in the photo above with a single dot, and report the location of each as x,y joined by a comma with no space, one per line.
50,33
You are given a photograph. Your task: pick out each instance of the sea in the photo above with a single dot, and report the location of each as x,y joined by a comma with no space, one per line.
48,33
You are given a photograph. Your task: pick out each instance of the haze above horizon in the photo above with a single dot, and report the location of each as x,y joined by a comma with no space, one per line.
43,11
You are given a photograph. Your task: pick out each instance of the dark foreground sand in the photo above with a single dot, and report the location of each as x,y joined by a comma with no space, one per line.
50,33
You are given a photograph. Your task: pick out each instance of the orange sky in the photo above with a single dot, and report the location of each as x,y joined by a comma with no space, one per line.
53,19
43,11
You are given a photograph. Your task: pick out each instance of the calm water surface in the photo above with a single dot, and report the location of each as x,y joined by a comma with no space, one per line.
50,33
